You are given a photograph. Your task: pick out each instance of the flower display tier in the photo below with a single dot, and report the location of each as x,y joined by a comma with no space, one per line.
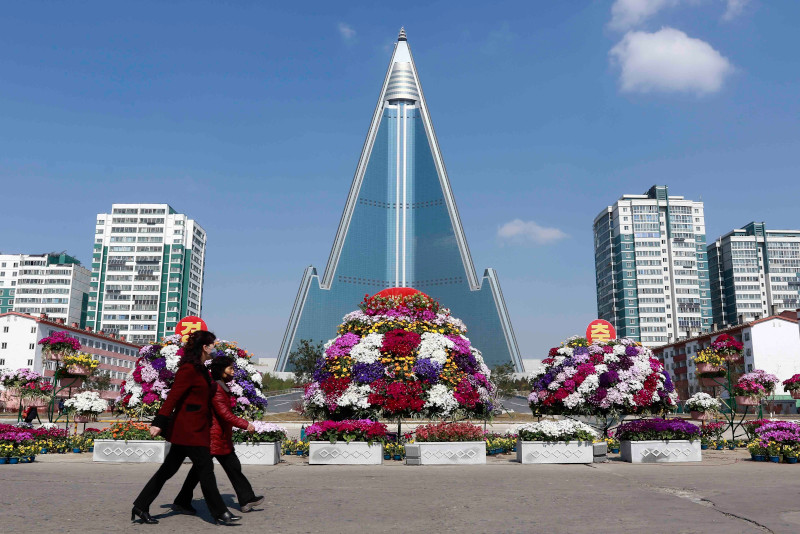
129,442
663,451
555,442
346,442
446,453
258,453
400,355
615,377
555,452
344,453
262,447
146,387
447,443
659,441
85,404
59,344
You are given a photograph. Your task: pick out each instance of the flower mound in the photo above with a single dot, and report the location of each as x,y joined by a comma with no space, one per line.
565,430
399,356
146,387
618,376
27,383
60,342
657,430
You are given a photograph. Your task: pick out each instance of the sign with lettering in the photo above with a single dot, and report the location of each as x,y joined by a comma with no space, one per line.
600,330
189,324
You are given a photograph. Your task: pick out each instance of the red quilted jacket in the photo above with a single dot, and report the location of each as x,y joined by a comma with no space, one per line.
223,420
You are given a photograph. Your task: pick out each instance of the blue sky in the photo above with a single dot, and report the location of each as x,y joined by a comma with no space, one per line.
250,118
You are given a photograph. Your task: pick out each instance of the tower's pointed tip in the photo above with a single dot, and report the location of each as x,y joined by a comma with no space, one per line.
402,36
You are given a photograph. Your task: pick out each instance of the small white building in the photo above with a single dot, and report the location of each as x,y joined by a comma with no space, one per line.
771,344
19,347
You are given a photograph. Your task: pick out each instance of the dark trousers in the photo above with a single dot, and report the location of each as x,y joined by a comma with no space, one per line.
233,468
203,470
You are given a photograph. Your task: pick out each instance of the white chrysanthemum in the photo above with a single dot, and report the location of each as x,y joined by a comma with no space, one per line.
619,350
235,388
329,343
434,346
566,351
256,378
367,350
442,399
355,396
87,402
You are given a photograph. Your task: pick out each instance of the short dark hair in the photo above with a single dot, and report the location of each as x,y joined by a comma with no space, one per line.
218,365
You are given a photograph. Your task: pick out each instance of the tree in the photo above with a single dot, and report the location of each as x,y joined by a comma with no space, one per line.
503,378
304,359
98,381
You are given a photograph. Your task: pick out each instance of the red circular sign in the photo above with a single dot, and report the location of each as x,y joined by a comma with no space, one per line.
189,324
600,330
399,292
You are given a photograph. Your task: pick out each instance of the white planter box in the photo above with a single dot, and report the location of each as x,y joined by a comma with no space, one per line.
134,451
261,453
648,452
555,452
341,453
446,453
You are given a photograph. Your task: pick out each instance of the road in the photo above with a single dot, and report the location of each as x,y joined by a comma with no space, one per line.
726,493
283,403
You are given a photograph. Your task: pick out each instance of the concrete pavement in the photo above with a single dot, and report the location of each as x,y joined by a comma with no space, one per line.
726,493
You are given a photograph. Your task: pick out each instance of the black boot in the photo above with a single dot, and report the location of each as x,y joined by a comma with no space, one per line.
145,517
227,519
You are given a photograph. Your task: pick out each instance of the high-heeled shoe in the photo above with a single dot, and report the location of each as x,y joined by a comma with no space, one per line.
145,517
227,519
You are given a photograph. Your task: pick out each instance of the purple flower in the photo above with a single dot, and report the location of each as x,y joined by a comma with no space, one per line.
367,373
159,363
630,350
668,385
428,370
580,350
608,379
342,345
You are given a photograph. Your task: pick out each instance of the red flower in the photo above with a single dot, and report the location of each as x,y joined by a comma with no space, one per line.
400,342
553,351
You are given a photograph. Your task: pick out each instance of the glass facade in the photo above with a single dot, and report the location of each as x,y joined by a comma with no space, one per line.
401,228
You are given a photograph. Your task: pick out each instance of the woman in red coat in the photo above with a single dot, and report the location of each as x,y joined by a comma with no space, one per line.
189,404
222,422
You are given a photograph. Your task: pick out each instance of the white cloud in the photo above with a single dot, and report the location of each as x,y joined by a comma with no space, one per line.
734,9
347,32
627,14
669,61
528,231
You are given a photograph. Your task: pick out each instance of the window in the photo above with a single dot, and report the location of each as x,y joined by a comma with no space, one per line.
4,346
33,330
30,362
749,352
31,347
5,329
2,361
747,336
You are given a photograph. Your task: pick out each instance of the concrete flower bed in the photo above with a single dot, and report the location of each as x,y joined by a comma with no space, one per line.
134,451
555,452
342,453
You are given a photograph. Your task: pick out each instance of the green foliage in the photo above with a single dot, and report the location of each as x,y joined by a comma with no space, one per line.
273,383
98,381
303,360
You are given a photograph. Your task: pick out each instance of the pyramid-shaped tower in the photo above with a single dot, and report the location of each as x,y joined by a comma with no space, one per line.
401,228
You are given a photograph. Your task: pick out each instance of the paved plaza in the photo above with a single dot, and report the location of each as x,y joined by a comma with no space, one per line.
727,493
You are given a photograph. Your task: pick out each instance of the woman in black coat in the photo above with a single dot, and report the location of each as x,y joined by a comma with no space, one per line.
189,432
